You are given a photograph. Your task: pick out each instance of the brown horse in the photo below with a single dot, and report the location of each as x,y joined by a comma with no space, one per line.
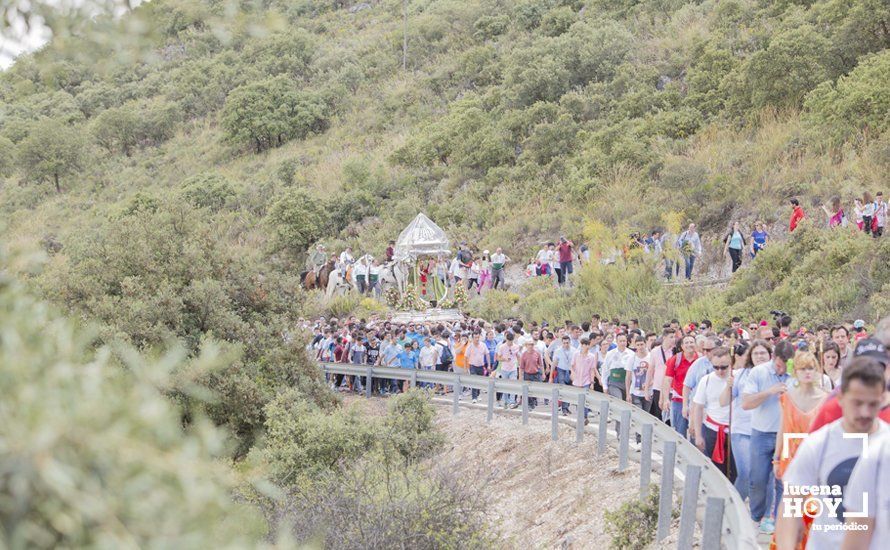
312,281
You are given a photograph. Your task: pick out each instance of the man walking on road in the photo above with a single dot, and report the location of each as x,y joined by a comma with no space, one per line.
531,364
477,359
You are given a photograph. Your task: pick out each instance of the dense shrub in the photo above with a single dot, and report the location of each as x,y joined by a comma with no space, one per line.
859,102
136,123
270,112
210,191
93,454
298,219
633,524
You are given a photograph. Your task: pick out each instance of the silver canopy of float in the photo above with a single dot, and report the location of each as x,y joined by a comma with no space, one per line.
422,237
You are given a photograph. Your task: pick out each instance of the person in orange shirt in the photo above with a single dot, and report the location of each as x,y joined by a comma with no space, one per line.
799,407
460,354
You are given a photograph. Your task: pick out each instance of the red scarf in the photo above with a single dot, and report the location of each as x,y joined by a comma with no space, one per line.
719,454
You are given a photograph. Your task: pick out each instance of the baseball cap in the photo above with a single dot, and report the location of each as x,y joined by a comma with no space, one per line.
858,324
874,348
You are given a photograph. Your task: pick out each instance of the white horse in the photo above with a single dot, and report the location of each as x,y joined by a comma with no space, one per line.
337,282
395,274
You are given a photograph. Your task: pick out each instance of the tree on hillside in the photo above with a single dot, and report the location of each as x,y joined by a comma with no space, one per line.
7,154
140,122
792,65
93,454
298,219
270,112
858,102
51,152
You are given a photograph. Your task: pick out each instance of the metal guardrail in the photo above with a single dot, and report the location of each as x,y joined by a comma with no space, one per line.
722,516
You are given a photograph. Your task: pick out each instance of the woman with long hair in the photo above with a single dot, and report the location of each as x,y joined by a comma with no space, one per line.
835,215
830,356
740,420
799,405
734,245
857,212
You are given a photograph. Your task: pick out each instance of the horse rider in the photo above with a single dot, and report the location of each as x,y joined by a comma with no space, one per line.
317,259
346,260
390,251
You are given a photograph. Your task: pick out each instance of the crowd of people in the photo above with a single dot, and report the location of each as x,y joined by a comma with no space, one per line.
742,394
483,271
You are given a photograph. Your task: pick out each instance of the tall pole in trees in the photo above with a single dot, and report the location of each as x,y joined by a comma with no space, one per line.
405,36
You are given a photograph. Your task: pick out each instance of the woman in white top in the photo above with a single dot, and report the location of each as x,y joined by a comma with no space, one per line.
857,213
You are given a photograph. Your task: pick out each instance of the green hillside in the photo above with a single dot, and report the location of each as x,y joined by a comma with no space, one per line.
266,127
177,163
174,165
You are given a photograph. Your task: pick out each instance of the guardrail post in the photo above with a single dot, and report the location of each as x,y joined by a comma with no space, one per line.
604,426
369,380
458,389
554,414
490,412
690,504
579,426
525,404
646,460
624,443
665,498
413,379
712,530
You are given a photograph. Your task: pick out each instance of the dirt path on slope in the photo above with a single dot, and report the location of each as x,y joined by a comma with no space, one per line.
544,494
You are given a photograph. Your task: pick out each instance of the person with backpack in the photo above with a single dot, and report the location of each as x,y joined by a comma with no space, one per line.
446,356
690,247
733,244
712,435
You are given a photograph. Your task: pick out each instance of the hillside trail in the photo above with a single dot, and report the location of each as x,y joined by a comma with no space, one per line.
541,493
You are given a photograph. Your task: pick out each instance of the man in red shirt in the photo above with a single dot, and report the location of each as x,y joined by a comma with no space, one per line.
531,363
674,376
796,214
831,408
566,250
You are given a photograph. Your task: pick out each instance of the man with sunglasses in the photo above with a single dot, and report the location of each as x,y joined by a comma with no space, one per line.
712,435
699,369
562,361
